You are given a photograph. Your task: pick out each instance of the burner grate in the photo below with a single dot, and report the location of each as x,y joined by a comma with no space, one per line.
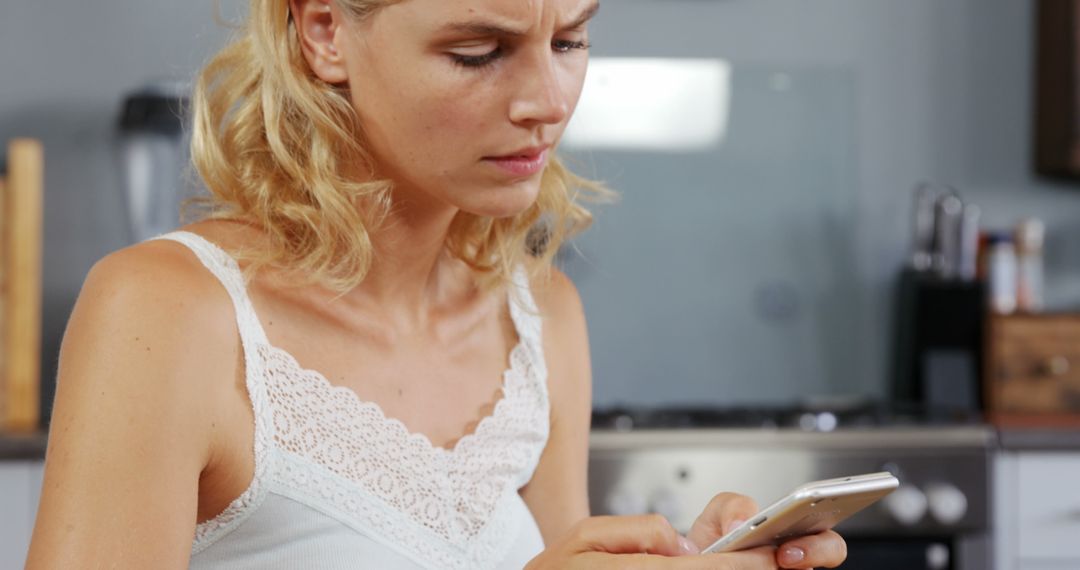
806,418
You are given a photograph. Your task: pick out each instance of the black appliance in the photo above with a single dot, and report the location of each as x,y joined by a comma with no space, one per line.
938,343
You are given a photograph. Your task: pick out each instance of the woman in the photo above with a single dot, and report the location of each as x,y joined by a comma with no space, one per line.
316,375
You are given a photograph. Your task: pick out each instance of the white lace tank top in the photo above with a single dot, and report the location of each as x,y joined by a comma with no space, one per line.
339,485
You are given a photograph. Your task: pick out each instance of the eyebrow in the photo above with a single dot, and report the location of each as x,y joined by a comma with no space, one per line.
585,16
482,28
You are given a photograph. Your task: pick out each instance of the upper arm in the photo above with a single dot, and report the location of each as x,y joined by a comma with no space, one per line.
557,495
130,430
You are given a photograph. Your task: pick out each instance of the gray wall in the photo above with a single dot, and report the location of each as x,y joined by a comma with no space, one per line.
941,92
65,66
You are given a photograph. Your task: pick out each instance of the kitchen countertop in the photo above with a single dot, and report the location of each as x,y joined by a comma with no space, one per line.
32,446
22,446
980,436
1039,439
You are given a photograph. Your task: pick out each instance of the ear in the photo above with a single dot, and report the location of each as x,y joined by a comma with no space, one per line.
317,23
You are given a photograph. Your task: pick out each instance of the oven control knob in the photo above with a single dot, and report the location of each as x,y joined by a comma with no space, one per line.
664,502
907,504
948,505
937,556
624,503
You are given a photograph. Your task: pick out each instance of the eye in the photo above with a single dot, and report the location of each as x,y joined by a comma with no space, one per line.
477,59
565,46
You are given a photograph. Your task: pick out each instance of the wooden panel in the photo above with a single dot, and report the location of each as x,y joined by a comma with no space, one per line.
1057,88
1033,368
21,255
4,399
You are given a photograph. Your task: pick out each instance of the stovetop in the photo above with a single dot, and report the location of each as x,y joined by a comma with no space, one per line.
799,417
672,460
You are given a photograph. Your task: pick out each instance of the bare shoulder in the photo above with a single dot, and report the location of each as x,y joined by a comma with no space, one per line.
162,282
149,267
557,494
566,338
151,324
149,350
154,306
159,287
557,297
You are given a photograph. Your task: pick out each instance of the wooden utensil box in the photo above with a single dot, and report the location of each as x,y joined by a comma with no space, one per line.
1032,372
21,196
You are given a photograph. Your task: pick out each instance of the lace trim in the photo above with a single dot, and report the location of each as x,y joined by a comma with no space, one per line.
338,497
451,494
348,399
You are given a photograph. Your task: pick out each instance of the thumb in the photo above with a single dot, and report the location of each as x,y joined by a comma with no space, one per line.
651,534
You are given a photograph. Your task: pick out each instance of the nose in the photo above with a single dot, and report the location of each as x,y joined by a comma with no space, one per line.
541,98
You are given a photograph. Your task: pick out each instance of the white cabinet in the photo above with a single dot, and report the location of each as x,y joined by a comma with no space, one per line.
1038,510
20,487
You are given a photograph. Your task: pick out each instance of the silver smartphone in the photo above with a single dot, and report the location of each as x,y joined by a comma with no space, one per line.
812,508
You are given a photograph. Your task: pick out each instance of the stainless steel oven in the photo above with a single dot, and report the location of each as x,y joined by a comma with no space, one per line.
939,518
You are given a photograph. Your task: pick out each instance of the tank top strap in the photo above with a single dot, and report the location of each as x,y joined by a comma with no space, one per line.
527,319
225,268
252,338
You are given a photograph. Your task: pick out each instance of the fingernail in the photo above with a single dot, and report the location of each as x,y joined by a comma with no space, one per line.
792,555
687,547
732,525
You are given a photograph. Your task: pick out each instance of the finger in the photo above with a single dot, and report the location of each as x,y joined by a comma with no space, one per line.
756,559
761,558
651,534
723,513
827,549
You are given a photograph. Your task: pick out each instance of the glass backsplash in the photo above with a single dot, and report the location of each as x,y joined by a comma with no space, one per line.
725,274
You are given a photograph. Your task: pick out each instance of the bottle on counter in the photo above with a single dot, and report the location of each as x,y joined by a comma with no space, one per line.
969,243
1001,273
1030,234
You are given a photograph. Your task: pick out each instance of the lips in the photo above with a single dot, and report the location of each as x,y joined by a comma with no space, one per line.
530,152
523,162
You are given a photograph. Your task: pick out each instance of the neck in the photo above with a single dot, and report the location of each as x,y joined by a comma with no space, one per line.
412,275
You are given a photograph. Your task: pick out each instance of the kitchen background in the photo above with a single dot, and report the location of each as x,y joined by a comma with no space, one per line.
754,265
759,269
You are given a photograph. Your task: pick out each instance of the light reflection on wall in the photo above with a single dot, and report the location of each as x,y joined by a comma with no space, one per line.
652,104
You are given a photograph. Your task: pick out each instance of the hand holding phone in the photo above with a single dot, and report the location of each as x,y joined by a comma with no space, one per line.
812,508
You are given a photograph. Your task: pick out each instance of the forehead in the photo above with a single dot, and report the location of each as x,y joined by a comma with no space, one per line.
523,15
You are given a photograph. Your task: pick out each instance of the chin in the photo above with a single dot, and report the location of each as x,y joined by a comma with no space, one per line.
505,201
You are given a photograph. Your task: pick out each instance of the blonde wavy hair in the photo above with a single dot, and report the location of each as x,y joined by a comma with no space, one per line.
270,141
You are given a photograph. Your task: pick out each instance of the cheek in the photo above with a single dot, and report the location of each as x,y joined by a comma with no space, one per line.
573,82
446,118
447,124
